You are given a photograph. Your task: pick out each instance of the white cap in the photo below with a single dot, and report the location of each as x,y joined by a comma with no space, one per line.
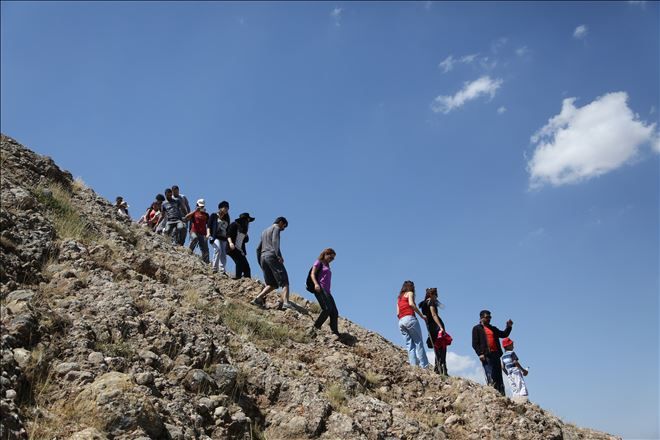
200,203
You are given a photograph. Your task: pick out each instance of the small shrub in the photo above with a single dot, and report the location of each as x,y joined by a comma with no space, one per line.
336,395
314,307
79,184
116,349
66,219
371,380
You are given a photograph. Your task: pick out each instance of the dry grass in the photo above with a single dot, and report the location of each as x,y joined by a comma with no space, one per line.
314,307
116,349
371,379
66,219
336,395
256,327
79,185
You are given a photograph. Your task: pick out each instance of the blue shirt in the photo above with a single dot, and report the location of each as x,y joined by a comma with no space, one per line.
508,359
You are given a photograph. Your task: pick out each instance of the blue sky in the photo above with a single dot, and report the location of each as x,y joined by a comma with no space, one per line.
506,153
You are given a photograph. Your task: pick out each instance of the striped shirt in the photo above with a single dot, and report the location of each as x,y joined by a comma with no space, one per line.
508,359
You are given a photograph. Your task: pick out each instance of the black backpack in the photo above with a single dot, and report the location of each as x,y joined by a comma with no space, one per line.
310,282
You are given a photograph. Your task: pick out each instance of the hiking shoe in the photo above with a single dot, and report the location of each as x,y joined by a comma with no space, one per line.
258,302
288,306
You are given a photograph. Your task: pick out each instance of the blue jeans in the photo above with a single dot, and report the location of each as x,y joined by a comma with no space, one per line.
493,370
412,332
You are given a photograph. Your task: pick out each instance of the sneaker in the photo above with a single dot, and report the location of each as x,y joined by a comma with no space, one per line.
258,302
288,306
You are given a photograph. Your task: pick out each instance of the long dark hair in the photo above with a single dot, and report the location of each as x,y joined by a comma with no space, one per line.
408,286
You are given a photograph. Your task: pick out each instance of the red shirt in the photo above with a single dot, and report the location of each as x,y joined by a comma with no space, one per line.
405,309
490,338
199,220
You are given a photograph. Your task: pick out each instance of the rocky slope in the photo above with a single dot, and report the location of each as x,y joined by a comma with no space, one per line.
109,332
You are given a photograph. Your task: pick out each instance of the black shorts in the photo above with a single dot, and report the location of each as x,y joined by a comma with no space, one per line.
274,271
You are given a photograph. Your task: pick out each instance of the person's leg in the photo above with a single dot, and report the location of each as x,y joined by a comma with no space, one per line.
333,312
216,254
285,294
438,364
403,328
321,298
194,240
488,371
420,350
443,361
204,247
247,272
498,382
223,257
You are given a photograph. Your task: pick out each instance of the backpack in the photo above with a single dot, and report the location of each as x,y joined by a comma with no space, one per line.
310,282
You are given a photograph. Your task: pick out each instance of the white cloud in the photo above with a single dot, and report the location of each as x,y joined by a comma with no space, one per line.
336,15
470,91
581,143
522,51
580,32
467,367
448,63
501,110
498,44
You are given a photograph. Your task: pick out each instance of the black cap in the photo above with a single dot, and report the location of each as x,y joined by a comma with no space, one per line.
246,216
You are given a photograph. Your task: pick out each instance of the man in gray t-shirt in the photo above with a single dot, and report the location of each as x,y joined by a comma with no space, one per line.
272,263
172,213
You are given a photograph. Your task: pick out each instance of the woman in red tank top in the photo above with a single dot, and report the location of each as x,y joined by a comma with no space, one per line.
409,326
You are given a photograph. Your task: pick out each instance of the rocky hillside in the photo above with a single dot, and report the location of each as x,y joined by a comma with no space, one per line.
110,332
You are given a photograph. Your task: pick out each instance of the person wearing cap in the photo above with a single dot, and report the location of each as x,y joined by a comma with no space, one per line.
198,232
514,371
272,263
237,237
486,343
435,327
217,231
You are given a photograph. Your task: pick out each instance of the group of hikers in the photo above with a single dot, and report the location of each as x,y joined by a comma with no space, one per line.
485,341
170,214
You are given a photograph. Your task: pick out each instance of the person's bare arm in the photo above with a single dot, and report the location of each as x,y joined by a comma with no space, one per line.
411,301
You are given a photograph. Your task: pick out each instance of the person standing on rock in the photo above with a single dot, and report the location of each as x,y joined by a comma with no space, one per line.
198,232
218,226
514,371
435,325
321,276
486,343
237,236
409,326
174,225
185,210
272,264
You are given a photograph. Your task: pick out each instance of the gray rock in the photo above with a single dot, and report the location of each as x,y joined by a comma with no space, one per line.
197,381
225,376
96,358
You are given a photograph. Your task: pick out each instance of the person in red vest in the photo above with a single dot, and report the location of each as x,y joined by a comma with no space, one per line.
486,343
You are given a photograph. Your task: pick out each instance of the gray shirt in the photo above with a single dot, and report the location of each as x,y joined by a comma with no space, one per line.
270,241
172,210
